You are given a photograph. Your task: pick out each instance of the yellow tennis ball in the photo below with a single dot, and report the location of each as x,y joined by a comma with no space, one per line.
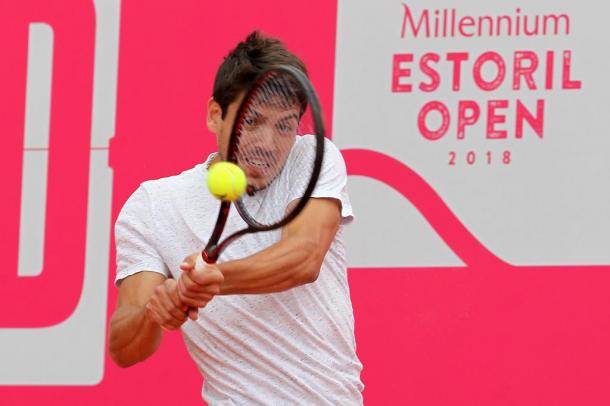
226,181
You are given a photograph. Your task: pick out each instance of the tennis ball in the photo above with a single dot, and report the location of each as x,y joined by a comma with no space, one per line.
226,181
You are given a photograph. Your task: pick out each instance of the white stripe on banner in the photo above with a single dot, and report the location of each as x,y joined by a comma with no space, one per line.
35,154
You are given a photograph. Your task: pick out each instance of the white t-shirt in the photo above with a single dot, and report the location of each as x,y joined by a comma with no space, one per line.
291,347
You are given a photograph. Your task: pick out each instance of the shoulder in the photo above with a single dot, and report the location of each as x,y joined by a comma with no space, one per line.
163,194
308,141
332,182
332,156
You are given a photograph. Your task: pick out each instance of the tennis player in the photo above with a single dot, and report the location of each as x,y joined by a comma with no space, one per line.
273,322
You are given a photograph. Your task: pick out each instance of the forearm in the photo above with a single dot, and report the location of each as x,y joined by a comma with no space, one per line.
133,336
289,263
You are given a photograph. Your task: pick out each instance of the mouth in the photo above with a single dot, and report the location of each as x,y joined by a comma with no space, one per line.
257,162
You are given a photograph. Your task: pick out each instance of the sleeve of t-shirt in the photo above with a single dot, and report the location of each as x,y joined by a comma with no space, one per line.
332,182
135,238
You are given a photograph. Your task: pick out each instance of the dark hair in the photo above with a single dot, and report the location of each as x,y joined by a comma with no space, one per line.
244,63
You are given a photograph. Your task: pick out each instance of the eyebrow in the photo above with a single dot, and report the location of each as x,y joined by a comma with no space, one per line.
291,116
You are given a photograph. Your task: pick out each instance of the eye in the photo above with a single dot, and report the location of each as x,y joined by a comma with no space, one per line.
249,122
286,128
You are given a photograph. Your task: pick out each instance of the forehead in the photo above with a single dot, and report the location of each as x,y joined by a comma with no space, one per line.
262,104
273,109
276,93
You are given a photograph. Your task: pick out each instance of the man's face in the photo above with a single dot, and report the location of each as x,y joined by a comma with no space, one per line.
267,135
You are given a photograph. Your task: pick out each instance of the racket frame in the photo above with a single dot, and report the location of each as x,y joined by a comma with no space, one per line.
213,248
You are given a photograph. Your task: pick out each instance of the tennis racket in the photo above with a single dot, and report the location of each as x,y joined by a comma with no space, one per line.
277,139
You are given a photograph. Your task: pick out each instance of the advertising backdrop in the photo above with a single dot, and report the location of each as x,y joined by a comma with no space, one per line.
476,139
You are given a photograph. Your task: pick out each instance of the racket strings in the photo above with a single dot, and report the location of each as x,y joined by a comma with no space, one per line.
268,149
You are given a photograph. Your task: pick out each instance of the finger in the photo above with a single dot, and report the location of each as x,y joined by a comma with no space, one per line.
197,301
151,314
156,305
172,287
193,313
197,297
192,297
186,267
209,275
170,326
172,308
191,285
203,303
189,262
158,317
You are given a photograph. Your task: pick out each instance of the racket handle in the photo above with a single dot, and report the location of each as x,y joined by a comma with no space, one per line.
199,263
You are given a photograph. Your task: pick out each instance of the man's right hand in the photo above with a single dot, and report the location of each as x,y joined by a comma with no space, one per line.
164,307
174,301
196,287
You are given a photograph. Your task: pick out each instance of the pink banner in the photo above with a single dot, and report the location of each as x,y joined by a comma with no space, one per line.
486,333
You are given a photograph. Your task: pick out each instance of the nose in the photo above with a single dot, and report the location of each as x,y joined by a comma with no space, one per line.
263,137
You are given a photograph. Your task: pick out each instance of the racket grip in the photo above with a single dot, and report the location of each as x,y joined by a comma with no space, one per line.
199,263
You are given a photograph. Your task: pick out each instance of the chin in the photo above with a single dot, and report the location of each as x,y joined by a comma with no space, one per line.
255,186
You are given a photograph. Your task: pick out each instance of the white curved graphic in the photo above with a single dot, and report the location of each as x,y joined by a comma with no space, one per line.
523,162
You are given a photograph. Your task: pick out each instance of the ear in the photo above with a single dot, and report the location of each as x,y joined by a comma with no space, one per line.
214,116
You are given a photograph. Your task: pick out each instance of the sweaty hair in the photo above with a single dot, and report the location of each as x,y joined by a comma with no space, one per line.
243,64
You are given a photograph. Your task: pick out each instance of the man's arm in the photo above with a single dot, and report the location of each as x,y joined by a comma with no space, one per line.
294,260
134,335
148,303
